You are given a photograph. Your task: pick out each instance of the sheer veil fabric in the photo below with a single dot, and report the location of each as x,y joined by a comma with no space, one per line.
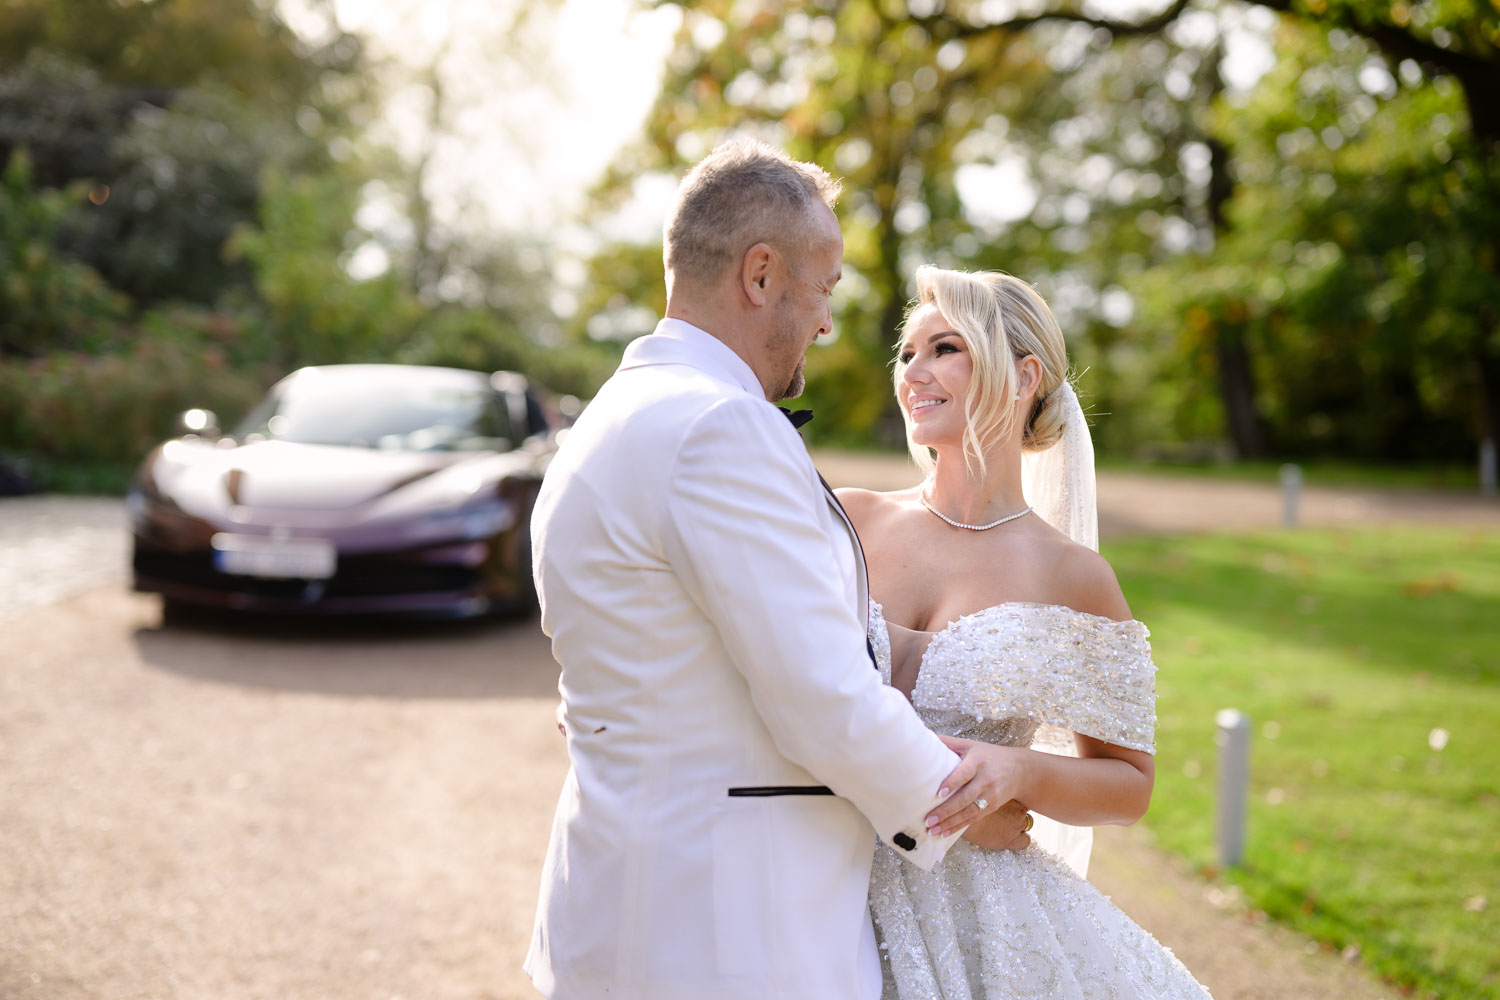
1059,484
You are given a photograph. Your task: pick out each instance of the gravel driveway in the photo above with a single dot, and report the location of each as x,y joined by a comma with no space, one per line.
1137,503
243,809
273,812
52,547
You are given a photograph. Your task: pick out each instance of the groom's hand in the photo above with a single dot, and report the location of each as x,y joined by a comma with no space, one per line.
1004,829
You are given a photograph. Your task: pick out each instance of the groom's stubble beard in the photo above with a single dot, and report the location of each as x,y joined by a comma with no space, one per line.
796,385
786,338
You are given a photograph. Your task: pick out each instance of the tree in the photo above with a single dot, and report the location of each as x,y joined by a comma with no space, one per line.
1362,290
1459,41
314,311
869,97
452,86
152,50
983,153
1138,221
170,112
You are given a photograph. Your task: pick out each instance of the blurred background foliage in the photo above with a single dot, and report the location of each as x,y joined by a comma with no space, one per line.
1307,268
1302,266
179,207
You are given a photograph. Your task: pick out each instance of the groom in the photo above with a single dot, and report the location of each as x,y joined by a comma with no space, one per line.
731,743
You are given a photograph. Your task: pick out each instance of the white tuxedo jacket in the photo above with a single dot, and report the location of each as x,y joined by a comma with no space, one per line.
707,604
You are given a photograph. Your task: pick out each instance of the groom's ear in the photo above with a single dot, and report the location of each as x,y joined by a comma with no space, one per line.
758,271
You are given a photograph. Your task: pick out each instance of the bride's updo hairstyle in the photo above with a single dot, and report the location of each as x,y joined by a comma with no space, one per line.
1002,319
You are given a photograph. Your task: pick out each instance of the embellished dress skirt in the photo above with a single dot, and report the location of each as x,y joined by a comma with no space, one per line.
1007,925
986,925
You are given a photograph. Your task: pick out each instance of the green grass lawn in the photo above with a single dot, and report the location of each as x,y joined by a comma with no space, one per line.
1369,661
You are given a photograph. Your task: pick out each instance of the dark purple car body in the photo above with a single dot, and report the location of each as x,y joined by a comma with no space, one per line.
352,489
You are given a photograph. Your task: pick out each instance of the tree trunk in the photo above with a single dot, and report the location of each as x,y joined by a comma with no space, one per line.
1487,366
1484,119
1237,388
1236,376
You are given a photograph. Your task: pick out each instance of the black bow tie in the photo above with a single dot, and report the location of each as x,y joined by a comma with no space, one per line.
797,417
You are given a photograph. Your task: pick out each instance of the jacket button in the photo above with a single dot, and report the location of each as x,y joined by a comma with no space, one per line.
904,841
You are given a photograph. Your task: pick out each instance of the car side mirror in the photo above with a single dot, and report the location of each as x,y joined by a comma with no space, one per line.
199,423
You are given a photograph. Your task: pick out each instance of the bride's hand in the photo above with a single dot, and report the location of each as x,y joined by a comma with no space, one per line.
986,773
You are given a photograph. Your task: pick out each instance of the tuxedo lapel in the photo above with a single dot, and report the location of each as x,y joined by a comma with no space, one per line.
861,568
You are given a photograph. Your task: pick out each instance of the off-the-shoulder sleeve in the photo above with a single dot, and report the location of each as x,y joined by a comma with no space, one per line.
1050,664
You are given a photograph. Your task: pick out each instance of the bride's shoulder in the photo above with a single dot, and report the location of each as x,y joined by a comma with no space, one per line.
864,505
1086,582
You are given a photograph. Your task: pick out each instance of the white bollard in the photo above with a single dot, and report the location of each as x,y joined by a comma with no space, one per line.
1291,493
1487,477
1233,739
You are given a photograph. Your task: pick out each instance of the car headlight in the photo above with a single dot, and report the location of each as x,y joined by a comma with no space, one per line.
479,520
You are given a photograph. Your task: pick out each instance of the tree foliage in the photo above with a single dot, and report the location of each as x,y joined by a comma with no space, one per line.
1185,233
314,311
171,111
1358,262
48,301
1450,46
181,225
863,93
151,49
922,130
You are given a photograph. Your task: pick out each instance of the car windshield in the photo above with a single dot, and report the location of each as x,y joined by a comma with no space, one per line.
386,414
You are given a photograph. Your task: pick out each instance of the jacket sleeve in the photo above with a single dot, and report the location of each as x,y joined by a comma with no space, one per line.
743,529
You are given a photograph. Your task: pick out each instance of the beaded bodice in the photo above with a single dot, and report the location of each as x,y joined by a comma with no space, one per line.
998,674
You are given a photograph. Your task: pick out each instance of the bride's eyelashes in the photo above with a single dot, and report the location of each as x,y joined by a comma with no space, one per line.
943,348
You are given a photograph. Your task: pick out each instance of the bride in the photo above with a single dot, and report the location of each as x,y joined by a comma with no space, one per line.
1000,621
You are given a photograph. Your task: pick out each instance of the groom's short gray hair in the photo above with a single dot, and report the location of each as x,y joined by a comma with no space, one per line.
743,193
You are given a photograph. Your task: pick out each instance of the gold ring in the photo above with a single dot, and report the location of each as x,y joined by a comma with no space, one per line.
1030,822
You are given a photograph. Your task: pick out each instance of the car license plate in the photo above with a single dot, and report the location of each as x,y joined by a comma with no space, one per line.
278,558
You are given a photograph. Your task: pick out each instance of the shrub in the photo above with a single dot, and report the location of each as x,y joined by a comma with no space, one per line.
71,407
48,301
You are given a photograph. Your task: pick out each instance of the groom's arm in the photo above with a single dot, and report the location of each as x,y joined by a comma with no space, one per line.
743,531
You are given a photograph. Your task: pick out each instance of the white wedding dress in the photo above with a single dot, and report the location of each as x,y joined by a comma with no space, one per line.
987,925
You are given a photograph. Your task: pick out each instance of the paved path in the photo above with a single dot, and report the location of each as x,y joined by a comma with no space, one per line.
53,546
236,811
1136,503
269,811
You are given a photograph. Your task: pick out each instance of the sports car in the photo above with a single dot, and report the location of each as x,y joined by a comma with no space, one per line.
351,489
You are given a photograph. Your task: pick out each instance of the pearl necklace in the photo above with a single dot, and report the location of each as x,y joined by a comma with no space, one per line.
971,527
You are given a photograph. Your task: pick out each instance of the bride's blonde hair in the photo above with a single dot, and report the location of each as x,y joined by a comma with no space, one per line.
1002,319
